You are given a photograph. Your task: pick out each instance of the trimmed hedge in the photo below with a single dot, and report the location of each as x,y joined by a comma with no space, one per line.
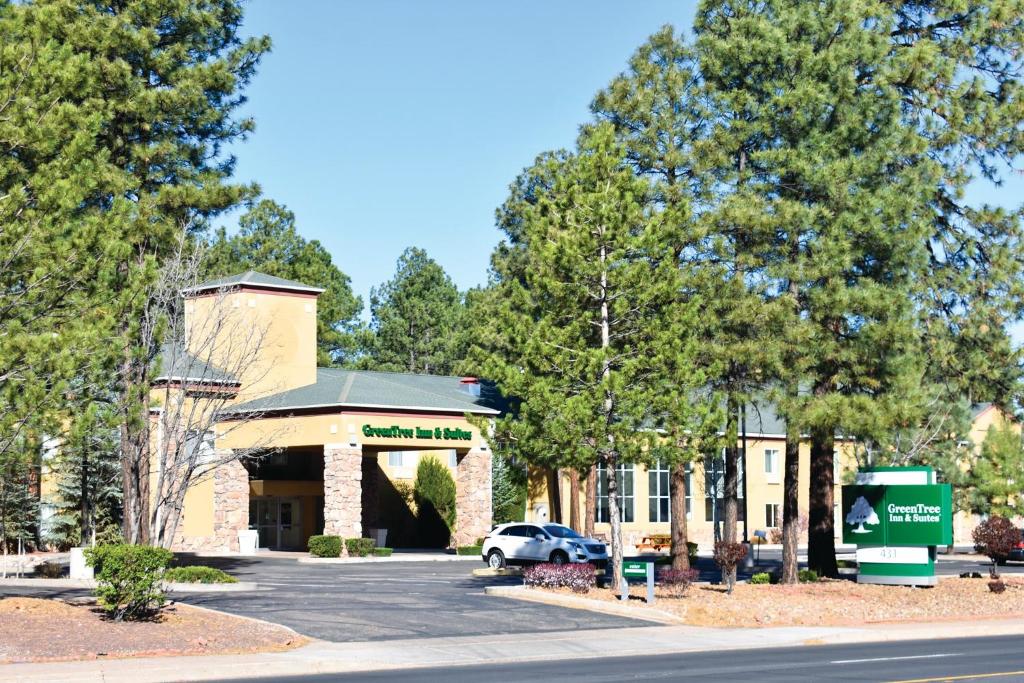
469,550
128,579
197,574
762,577
325,546
382,552
807,576
359,547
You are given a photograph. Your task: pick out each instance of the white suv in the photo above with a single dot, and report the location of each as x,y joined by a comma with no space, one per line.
520,543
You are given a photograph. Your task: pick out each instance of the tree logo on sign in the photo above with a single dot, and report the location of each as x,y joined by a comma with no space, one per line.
860,514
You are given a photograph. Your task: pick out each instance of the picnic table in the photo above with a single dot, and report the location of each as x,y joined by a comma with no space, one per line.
655,543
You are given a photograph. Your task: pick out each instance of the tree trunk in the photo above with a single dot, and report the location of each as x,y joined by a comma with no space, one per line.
574,499
615,566
821,541
555,495
731,484
135,451
590,502
677,517
791,505
85,521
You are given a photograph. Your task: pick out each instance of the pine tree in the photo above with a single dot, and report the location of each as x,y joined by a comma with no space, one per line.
417,319
836,182
995,479
268,241
166,78
434,495
657,108
590,275
508,489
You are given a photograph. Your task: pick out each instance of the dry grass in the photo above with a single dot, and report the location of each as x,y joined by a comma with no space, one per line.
833,603
33,630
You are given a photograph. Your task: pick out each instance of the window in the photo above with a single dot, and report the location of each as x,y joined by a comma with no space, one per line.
200,446
771,464
625,481
772,515
658,493
453,458
714,487
396,459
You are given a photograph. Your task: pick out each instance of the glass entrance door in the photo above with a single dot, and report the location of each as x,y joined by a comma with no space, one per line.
278,521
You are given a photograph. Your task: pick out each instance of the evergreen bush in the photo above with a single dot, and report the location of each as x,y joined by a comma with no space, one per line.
359,547
197,574
434,493
761,578
382,552
128,579
470,549
807,576
324,546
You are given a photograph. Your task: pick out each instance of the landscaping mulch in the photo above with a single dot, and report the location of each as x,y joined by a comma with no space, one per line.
36,630
831,603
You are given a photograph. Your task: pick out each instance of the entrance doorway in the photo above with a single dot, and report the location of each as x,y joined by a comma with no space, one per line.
278,522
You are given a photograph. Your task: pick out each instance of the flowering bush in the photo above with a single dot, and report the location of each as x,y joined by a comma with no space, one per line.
677,581
579,577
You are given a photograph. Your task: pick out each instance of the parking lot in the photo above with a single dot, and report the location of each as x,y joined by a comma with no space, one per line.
358,602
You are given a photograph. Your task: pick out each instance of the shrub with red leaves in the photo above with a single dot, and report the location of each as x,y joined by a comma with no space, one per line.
579,577
996,537
677,581
727,556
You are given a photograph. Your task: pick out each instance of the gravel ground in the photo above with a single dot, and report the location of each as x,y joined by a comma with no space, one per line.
35,630
833,603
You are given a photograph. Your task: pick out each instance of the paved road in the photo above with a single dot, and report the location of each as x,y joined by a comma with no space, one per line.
975,659
359,602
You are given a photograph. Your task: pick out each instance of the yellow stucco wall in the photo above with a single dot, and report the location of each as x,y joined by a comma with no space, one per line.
198,516
283,323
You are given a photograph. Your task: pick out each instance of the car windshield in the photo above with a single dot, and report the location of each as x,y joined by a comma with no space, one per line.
561,531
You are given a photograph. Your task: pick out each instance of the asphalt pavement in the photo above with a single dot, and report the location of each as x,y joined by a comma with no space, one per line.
924,661
375,601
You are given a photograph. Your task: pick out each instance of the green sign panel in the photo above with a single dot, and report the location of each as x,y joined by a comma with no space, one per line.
435,433
898,515
634,568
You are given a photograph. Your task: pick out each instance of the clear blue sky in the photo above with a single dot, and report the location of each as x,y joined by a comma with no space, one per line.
393,123
389,124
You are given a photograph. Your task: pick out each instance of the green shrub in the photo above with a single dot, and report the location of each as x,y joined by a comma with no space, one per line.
761,578
470,549
128,579
846,564
359,547
325,546
382,552
807,576
691,550
197,575
434,493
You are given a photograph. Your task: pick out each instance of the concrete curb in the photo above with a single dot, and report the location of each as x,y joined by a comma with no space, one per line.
237,587
386,560
576,602
507,571
49,583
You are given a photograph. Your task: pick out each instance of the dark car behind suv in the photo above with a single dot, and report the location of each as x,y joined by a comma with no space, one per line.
1017,554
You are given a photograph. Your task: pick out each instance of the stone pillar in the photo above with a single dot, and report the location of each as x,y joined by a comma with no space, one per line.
230,505
343,484
472,496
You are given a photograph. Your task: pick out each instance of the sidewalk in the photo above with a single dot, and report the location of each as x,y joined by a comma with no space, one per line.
326,658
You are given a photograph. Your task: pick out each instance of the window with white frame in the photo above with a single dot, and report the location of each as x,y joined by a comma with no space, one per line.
626,495
453,458
771,464
396,459
772,515
658,501
714,487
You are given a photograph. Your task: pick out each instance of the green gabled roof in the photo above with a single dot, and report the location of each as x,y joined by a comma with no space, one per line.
337,388
253,278
178,365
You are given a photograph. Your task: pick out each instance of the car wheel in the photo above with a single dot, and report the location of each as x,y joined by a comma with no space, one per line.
558,557
496,559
